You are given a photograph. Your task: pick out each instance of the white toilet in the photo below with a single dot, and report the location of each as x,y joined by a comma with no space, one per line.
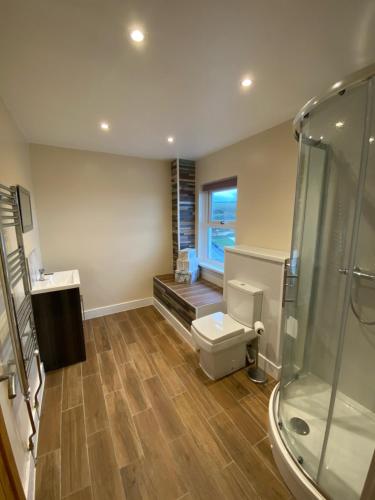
222,338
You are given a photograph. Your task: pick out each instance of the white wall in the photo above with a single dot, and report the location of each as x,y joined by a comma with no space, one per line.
15,169
108,216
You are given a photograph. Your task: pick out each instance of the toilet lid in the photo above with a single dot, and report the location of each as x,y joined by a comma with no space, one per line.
218,327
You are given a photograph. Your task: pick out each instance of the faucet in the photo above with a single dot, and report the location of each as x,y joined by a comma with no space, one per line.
42,274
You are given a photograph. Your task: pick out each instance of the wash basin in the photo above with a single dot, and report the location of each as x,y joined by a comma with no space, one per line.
60,280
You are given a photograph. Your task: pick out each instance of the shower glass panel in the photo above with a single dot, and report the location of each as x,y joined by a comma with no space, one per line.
316,299
351,439
299,302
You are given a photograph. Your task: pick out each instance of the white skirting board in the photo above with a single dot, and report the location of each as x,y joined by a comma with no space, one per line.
269,367
179,327
116,308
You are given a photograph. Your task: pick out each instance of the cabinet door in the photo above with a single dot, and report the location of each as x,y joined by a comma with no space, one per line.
58,320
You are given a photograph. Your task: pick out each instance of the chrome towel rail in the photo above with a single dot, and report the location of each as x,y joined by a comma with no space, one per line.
13,269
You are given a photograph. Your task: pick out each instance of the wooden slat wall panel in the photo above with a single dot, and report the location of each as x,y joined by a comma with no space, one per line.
187,203
183,205
174,185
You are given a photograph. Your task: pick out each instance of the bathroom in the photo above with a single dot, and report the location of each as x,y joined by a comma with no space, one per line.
187,272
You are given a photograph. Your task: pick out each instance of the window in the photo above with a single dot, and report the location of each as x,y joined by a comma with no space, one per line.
218,220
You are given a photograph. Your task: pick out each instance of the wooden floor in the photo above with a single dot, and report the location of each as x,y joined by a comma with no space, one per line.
140,420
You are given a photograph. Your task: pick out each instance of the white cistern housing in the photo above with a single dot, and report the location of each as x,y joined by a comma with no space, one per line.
244,302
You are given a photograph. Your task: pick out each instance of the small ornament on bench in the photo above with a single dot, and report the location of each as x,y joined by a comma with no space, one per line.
187,270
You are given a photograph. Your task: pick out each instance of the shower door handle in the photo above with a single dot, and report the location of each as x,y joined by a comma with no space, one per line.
363,274
358,273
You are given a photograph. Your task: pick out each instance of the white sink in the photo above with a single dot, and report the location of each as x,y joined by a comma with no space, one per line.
61,280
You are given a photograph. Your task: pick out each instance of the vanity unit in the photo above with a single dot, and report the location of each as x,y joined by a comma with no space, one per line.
58,319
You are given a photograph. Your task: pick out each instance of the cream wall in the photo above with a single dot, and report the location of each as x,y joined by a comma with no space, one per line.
266,166
108,216
15,169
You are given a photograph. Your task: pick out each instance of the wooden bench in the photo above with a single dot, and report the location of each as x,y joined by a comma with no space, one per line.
188,302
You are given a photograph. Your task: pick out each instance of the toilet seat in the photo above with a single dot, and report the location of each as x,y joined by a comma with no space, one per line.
218,331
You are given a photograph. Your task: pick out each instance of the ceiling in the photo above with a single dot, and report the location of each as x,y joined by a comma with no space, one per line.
66,65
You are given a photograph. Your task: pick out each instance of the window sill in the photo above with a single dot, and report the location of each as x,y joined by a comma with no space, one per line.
217,267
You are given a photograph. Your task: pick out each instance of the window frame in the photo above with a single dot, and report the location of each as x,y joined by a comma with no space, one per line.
205,223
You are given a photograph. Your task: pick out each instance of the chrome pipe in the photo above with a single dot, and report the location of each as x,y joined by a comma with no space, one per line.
5,188
7,198
11,378
12,210
358,273
8,216
31,446
38,363
14,262
12,254
18,266
13,224
364,275
4,204
15,279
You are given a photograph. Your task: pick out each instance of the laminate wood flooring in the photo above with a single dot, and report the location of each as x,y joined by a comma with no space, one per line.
139,420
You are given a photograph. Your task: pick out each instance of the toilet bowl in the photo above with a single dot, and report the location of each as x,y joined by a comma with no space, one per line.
222,338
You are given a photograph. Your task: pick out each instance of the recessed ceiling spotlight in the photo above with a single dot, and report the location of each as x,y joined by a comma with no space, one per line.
371,140
137,36
337,85
246,82
321,137
104,125
339,124
170,139
310,136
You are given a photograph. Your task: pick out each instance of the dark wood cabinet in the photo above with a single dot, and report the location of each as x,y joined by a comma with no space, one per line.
59,327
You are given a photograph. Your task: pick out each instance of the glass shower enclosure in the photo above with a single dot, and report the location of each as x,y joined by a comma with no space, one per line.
326,403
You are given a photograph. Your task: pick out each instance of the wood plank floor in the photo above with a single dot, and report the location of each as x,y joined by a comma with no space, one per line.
139,420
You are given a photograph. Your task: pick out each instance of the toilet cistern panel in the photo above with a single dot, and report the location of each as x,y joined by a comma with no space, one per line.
244,302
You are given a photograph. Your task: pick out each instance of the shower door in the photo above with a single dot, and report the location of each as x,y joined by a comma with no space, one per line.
316,289
350,442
